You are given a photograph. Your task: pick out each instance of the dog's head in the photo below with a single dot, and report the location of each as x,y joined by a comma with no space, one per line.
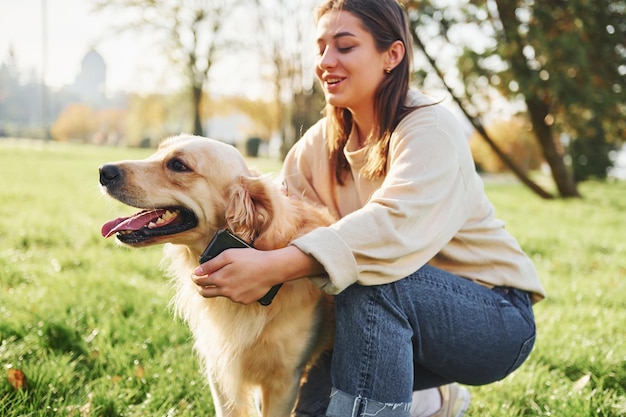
183,190
192,187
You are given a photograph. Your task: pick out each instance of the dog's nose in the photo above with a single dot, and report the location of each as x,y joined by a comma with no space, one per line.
110,174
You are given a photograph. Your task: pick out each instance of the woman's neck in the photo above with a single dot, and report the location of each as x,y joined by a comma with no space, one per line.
363,127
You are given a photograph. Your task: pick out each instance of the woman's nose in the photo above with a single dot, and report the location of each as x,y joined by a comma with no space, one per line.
327,59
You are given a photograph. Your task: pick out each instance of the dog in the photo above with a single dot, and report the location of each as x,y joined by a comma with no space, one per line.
190,188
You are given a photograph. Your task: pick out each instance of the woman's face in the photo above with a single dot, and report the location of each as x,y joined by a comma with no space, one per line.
349,66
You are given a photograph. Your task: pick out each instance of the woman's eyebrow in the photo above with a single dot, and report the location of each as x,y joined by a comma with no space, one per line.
337,36
342,34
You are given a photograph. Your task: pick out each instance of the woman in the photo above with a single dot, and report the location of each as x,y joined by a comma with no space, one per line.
430,288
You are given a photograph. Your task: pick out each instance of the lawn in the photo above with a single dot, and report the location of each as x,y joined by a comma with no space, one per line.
88,324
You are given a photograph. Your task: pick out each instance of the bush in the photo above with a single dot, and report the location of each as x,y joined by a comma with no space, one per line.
515,139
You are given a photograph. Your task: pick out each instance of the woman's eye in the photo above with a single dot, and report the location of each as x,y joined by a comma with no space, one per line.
177,165
341,49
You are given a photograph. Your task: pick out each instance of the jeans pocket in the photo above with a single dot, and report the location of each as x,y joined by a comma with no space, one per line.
525,350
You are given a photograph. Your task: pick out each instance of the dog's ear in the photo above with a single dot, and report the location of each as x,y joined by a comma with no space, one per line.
249,211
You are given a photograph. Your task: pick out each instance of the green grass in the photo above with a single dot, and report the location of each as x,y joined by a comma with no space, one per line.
89,325
579,249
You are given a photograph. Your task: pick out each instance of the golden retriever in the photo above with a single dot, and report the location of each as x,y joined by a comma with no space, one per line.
188,190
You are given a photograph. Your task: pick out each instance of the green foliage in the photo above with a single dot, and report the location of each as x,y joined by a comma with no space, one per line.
577,51
515,139
154,116
591,157
89,325
565,61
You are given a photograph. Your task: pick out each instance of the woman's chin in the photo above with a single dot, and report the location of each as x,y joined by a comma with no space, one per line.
335,100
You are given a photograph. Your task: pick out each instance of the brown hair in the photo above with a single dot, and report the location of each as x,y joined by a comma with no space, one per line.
386,21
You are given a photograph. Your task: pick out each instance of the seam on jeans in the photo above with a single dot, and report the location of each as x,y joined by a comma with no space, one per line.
396,305
523,354
371,327
362,406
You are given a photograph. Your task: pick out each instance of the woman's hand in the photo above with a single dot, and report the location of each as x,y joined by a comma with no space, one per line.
246,275
242,275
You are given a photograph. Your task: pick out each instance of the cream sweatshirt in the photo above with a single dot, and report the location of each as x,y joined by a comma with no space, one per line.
430,208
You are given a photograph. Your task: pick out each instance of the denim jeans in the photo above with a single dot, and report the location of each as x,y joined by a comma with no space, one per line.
426,330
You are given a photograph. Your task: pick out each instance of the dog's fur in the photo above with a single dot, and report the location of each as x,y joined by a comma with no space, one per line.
242,347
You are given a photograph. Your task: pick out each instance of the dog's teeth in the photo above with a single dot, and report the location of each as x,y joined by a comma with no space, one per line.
168,215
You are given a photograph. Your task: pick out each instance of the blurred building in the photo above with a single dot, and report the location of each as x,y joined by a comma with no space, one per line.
91,80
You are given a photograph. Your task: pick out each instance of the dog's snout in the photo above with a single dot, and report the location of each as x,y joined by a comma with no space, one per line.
110,174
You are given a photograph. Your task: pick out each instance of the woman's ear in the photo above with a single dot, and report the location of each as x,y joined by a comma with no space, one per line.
394,55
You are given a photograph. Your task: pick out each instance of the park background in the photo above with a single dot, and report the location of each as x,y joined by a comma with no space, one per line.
539,86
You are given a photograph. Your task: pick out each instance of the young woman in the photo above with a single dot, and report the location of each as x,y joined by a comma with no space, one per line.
430,288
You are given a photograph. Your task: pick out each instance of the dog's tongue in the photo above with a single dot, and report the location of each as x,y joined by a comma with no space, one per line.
131,223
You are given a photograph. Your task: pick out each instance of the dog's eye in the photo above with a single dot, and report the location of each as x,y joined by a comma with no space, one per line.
178,166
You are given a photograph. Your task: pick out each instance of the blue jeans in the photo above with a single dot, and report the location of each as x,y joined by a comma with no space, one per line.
426,330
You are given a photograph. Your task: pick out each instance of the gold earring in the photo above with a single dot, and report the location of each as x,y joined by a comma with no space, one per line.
387,70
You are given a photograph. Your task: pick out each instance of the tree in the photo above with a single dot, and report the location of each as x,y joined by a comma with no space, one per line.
263,114
191,32
111,126
283,25
579,46
308,106
154,116
560,60
77,122
515,138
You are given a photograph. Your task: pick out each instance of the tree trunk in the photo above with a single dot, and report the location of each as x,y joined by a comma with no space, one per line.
196,91
538,109
563,179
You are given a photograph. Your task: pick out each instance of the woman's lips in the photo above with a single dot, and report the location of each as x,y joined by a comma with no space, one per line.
333,83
